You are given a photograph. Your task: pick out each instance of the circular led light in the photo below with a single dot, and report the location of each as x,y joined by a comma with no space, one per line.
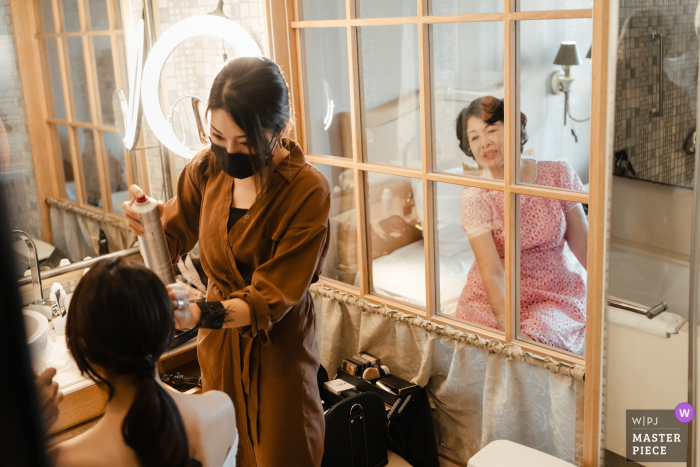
204,25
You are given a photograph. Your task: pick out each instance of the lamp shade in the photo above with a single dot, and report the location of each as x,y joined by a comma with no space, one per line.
568,54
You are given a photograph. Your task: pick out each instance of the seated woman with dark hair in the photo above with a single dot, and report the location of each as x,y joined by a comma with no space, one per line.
120,321
552,293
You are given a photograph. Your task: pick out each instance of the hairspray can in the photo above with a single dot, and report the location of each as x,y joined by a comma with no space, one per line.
152,244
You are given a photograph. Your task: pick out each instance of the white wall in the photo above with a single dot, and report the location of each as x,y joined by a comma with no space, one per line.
651,215
540,41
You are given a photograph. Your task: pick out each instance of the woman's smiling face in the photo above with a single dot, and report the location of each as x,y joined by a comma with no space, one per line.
486,142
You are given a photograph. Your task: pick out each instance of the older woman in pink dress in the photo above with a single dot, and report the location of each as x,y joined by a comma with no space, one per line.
552,293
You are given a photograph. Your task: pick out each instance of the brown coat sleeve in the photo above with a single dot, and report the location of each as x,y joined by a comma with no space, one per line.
280,283
181,214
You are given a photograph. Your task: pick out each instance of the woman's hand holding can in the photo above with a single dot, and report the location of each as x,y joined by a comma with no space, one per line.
132,217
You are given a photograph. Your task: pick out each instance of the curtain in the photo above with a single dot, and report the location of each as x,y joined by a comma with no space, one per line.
76,231
480,390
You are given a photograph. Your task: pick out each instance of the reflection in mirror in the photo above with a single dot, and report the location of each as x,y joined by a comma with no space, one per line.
59,104
316,10
541,5
106,83
91,178
555,93
467,64
553,247
390,93
187,120
71,16
471,250
342,260
78,79
386,8
99,19
397,247
464,7
66,162
327,91
47,17
120,109
116,166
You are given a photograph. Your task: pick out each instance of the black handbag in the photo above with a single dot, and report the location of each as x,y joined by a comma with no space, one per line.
403,422
356,428
356,432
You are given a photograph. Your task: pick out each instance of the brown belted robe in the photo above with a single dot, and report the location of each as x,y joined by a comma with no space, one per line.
269,259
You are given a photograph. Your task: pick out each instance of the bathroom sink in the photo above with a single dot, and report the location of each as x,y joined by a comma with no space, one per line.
37,328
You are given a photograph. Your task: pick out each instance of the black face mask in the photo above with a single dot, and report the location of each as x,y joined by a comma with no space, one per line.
237,165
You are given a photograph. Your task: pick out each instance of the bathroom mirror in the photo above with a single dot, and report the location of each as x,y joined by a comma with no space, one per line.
187,120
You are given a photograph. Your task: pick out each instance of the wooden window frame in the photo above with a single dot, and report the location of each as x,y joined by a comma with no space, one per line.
284,30
50,154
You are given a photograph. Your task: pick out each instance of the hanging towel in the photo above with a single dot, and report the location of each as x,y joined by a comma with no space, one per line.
662,325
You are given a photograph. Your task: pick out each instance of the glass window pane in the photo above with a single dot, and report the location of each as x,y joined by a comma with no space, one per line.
67,162
655,132
386,8
467,66
342,261
104,65
116,165
71,16
315,10
464,7
557,125
391,95
553,237
99,20
327,91
119,13
541,5
470,228
76,63
47,17
91,176
59,104
397,248
125,69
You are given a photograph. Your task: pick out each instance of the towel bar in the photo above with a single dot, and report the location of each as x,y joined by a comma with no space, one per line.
648,312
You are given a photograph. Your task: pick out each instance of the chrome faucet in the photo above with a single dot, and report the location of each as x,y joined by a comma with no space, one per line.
33,255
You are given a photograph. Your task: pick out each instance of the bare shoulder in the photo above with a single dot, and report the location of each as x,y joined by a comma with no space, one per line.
211,408
92,448
71,455
210,421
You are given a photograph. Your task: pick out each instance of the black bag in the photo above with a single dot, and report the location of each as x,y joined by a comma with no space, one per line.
356,432
411,434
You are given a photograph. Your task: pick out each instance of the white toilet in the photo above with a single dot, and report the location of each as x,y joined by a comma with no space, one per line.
507,453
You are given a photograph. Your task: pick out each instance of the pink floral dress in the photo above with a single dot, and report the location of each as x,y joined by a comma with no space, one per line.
552,294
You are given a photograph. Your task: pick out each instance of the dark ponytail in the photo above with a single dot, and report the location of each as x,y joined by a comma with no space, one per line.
254,93
121,320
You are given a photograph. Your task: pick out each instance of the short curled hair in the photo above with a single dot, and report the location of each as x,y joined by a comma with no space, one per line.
490,110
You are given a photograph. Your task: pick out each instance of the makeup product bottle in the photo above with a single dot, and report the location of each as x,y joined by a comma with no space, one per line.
103,244
152,244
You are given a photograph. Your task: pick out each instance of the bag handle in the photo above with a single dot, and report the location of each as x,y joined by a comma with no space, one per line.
358,438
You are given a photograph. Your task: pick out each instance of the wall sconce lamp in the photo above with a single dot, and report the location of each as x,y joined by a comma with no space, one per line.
567,57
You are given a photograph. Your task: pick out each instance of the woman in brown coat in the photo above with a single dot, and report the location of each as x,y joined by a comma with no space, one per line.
260,214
